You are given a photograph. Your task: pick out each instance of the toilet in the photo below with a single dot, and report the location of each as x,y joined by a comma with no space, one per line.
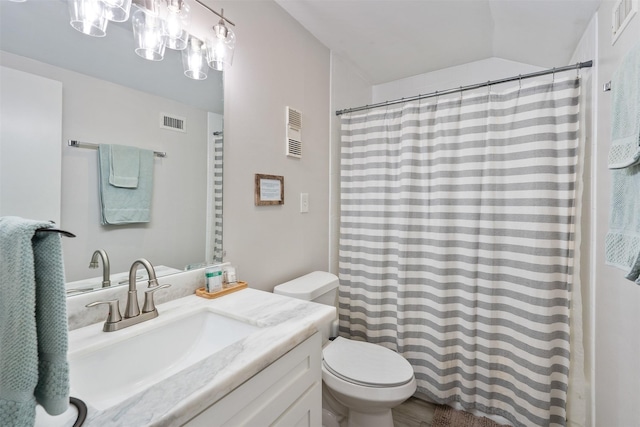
365,380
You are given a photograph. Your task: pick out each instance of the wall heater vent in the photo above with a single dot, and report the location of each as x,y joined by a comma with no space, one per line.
621,15
294,133
173,122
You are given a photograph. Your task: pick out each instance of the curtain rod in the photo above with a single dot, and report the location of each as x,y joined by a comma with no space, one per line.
577,66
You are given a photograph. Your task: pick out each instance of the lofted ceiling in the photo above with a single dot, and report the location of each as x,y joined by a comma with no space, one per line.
392,39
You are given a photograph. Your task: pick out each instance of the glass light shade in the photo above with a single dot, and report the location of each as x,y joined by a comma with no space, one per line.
194,59
177,18
88,16
148,35
149,6
220,48
117,10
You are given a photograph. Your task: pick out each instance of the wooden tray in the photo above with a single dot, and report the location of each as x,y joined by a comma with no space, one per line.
201,292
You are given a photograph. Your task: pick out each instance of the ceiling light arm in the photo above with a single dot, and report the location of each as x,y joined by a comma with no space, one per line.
221,14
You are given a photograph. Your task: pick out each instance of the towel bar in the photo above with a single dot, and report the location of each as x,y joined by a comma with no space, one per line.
79,144
56,230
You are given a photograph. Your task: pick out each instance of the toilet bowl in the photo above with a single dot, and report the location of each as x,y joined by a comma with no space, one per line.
365,379
368,379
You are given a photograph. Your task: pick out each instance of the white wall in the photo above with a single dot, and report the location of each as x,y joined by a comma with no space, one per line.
30,184
452,77
617,300
277,64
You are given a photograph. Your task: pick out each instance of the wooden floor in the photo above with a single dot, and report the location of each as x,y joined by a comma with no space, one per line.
413,413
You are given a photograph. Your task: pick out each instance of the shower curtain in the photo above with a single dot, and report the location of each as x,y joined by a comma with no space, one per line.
457,243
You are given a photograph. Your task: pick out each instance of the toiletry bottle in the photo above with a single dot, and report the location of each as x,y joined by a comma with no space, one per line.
229,276
213,278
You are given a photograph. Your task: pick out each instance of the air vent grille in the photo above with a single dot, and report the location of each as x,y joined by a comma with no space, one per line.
171,122
294,133
294,148
622,13
295,118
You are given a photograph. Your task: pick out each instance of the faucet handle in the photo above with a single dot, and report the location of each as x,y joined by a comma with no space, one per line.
149,304
114,309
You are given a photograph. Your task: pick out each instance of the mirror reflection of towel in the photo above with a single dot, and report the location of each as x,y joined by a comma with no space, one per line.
124,166
122,205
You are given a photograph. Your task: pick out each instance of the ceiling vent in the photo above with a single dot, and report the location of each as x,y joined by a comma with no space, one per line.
621,15
294,133
173,122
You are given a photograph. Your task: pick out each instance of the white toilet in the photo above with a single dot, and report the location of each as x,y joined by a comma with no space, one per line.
365,379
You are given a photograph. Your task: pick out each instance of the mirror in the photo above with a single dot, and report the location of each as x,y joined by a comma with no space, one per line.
112,96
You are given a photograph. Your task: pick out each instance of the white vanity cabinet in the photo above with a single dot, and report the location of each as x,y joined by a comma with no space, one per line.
286,393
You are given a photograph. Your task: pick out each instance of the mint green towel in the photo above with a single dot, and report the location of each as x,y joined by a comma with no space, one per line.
622,243
125,205
33,322
125,166
625,112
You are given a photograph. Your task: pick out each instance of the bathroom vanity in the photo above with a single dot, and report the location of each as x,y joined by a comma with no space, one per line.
248,358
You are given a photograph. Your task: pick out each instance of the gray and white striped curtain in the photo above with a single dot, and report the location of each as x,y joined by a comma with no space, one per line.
457,244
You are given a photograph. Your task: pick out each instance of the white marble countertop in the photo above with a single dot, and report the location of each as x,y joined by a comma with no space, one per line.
284,323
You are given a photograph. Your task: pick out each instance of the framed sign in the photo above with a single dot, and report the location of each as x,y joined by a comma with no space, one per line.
269,190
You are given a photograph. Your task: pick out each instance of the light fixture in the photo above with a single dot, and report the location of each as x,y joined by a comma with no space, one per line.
176,24
158,24
220,44
194,59
148,34
117,10
89,17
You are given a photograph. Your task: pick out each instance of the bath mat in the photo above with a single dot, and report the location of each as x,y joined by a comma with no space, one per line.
446,416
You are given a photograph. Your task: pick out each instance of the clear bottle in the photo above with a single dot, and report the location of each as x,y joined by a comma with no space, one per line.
229,276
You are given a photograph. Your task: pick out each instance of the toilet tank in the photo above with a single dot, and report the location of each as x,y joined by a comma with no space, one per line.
319,286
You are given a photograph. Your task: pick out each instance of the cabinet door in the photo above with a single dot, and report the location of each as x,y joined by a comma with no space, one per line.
305,411
287,392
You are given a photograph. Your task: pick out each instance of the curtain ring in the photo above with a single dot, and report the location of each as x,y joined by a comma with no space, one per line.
460,92
489,86
577,69
553,75
519,81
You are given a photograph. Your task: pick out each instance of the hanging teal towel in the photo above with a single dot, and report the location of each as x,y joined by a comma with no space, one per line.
625,112
121,205
622,243
124,164
33,322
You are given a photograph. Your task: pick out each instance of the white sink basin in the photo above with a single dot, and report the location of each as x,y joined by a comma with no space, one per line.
108,374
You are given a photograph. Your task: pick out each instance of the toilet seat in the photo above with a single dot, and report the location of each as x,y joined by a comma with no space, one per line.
366,364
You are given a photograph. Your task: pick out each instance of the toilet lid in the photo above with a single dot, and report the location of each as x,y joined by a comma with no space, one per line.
366,364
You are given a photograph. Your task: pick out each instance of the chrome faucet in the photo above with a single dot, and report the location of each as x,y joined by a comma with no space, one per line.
100,253
132,314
